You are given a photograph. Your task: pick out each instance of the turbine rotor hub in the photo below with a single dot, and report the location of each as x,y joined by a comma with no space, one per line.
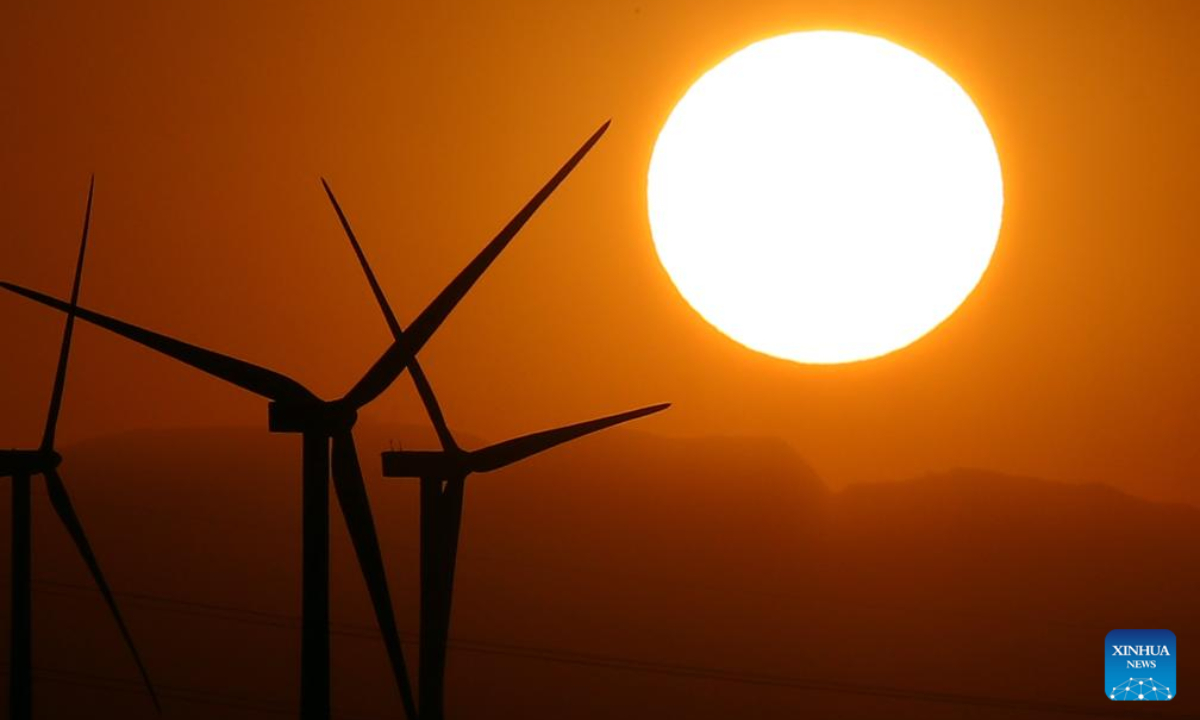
27,462
328,418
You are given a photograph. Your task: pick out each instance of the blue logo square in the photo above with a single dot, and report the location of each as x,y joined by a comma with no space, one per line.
1139,665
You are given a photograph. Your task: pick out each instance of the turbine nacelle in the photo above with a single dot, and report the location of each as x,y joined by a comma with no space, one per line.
327,418
456,463
28,462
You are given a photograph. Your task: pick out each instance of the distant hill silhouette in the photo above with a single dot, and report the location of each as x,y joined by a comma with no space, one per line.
629,576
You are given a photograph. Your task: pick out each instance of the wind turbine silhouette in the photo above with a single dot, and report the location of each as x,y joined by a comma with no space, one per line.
21,466
295,409
443,477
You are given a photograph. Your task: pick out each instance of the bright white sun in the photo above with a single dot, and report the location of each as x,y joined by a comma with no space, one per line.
825,196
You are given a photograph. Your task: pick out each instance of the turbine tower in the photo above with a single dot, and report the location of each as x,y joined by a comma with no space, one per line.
21,466
293,408
442,476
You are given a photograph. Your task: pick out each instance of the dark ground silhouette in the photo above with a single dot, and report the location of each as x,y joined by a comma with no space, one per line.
946,596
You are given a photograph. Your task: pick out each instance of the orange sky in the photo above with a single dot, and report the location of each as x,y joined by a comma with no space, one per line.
208,125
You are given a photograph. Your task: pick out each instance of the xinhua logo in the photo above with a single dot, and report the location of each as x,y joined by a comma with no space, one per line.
1139,665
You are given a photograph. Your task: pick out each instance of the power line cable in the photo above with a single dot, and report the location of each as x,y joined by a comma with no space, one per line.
571,657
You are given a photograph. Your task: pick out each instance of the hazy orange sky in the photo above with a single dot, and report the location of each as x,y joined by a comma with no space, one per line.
208,126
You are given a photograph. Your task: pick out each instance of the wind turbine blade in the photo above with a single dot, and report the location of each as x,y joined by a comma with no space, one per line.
508,452
388,315
395,358
356,509
66,513
452,508
258,380
60,378
428,399
432,408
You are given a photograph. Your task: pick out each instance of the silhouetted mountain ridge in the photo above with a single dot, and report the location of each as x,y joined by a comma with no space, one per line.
725,553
